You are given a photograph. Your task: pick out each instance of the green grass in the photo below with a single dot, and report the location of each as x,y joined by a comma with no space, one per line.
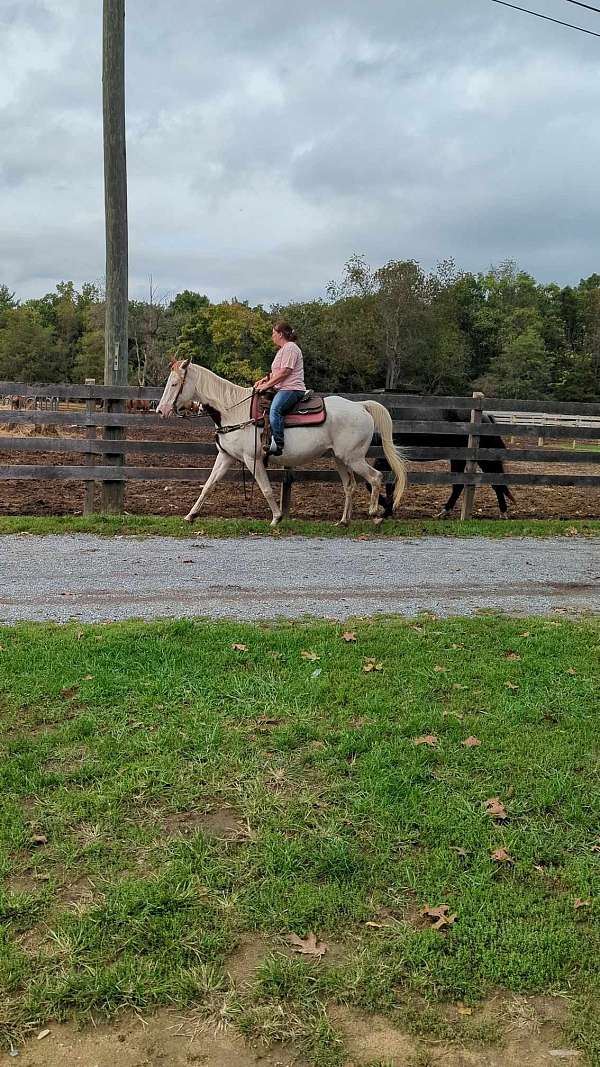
153,525
308,808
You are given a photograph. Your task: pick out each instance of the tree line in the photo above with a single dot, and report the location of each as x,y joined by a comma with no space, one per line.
399,327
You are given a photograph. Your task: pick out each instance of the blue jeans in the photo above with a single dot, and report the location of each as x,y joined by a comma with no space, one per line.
283,400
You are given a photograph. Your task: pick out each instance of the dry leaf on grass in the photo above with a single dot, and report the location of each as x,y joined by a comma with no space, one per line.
38,840
471,742
439,916
495,808
349,637
69,691
240,648
307,946
510,685
439,669
514,656
428,739
581,904
311,656
501,856
462,852
463,1011
571,670
371,664
526,634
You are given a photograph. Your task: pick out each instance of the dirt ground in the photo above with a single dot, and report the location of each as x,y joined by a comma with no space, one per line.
529,1033
309,501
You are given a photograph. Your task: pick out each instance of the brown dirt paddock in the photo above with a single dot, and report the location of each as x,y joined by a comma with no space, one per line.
309,501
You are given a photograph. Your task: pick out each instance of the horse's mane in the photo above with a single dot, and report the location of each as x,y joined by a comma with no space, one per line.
220,393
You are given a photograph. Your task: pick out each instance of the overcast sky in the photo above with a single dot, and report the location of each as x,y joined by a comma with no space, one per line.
268,141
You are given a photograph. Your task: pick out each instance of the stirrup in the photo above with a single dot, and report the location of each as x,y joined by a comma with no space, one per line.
274,449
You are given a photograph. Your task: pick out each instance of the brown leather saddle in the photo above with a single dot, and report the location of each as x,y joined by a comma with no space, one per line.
309,411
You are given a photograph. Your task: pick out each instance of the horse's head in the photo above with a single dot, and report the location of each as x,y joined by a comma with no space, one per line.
179,390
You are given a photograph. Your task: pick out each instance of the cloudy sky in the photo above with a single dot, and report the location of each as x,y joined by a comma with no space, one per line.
268,141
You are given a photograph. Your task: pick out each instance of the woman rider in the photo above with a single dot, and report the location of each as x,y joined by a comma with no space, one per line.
287,378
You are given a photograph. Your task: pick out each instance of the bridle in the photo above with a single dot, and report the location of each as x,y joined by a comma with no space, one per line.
181,384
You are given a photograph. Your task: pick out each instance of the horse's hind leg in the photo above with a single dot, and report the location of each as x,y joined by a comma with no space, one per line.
495,466
349,486
457,466
374,479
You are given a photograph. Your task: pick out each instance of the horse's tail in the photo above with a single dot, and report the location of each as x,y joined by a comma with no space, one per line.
384,426
500,443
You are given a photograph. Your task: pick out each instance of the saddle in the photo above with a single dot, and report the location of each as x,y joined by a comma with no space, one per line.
309,411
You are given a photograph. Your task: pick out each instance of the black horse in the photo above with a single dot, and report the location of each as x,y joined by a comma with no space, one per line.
441,440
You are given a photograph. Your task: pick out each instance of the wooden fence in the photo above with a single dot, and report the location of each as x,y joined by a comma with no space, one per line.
105,458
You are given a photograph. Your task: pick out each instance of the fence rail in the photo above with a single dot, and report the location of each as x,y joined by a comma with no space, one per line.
419,417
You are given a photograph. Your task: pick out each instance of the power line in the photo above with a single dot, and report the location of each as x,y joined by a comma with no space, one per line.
546,18
587,6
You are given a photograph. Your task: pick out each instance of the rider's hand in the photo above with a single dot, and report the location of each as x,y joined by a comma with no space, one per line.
261,386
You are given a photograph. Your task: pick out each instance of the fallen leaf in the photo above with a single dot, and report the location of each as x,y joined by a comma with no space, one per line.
428,739
510,685
456,648
371,664
349,637
471,742
457,685
240,648
501,856
38,840
439,669
275,655
462,852
495,808
526,634
42,1034
571,531
265,723
463,1011
439,916
88,677
582,904
315,674
514,656
69,691
307,946
312,656
3,648
571,670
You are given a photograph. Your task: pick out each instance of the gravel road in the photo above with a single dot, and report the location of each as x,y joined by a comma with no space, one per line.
95,579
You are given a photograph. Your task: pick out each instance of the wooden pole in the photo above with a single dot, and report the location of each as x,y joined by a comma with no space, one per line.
285,499
89,457
115,201
471,467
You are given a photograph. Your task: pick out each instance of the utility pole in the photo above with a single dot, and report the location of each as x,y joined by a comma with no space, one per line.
115,202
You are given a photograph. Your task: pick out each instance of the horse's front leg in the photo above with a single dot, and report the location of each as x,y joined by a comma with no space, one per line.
222,464
256,467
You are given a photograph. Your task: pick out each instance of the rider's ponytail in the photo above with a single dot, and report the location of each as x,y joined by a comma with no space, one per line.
286,331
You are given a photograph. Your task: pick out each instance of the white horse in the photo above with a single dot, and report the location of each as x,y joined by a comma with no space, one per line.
347,432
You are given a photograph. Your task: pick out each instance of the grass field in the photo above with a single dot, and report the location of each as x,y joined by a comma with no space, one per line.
169,802
149,526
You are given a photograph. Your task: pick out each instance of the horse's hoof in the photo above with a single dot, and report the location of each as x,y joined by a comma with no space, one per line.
342,523
377,521
190,518
443,514
276,520
503,514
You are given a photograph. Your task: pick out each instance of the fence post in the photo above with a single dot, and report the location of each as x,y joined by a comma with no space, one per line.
89,458
471,467
285,499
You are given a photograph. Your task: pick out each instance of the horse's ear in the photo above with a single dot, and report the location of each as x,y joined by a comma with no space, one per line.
186,363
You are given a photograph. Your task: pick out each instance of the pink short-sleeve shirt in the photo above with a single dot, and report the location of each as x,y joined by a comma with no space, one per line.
290,355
